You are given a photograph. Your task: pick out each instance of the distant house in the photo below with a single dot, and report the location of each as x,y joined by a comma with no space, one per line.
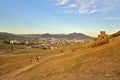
15,42
26,42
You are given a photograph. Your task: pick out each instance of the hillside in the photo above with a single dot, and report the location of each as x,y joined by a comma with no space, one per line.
77,62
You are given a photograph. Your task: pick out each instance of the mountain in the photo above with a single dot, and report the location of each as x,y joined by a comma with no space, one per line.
47,35
59,36
78,36
7,34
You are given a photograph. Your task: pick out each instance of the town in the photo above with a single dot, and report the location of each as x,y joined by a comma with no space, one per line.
19,44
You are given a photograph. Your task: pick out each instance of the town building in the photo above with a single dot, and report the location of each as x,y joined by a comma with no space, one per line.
15,42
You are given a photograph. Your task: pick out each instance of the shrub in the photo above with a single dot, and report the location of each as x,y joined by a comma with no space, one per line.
7,42
100,42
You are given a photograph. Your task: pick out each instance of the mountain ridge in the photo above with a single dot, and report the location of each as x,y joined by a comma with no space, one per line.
48,35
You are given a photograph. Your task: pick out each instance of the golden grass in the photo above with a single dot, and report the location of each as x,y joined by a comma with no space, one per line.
11,62
79,62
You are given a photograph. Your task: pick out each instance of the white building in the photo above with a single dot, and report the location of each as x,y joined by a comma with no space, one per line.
15,42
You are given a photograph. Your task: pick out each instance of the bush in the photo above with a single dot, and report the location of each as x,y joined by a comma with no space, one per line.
7,42
100,42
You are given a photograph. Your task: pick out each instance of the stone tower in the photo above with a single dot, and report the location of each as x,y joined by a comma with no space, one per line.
103,36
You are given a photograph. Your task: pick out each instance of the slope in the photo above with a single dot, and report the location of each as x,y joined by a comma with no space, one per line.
98,63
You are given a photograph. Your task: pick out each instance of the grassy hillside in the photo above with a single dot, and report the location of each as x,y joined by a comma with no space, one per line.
77,62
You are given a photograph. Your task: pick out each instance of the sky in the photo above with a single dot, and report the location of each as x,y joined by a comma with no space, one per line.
59,16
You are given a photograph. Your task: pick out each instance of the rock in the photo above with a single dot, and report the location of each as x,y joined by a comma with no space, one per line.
108,75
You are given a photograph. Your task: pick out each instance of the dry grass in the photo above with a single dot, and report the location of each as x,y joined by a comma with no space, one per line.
11,62
80,62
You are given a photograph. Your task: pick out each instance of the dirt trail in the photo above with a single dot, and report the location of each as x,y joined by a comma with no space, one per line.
12,75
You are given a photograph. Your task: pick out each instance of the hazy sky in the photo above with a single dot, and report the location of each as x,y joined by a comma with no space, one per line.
59,16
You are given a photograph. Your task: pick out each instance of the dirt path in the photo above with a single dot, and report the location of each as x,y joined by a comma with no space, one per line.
12,75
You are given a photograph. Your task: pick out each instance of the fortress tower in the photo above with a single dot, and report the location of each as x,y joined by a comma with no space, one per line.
103,35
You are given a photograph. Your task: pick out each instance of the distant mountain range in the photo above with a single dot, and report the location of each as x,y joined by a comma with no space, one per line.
7,34
47,35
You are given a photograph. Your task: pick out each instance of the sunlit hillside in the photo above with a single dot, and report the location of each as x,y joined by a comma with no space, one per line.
75,62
